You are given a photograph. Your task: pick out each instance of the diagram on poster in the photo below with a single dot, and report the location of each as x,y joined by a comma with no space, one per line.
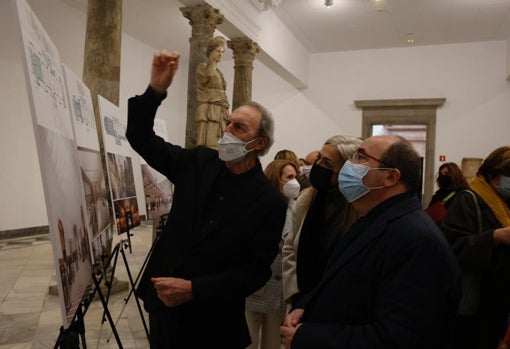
97,198
58,160
157,188
120,167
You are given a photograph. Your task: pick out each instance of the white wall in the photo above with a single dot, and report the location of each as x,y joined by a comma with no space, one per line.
475,117
473,121
21,193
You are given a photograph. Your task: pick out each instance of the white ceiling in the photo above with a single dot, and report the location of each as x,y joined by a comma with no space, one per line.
365,24
347,25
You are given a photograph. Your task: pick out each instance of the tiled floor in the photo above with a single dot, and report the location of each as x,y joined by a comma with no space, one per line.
30,315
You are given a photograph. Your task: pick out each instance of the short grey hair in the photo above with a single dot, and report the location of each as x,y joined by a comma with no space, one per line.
266,128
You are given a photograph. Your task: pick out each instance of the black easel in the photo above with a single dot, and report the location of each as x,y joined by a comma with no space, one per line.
69,338
97,283
162,221
121,247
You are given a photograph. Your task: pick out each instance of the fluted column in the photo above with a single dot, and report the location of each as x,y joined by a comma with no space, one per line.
203,19
244,53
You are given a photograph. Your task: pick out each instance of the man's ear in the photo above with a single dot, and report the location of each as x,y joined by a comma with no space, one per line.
261,143
392,177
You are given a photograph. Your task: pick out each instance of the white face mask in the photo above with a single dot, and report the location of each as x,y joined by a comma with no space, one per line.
291,189
231,148
305,170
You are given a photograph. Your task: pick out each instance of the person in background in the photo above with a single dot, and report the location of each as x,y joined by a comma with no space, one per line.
317,220
223,229
306,165
286,154
477,225
392,280
450,181
265,309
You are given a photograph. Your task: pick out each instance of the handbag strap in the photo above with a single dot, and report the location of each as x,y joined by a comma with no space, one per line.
448,197
478,211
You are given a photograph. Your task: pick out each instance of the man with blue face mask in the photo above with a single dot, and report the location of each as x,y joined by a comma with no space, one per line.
392,281
222,232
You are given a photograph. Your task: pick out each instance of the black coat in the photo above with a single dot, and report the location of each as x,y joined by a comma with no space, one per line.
392,282
485,265
227,256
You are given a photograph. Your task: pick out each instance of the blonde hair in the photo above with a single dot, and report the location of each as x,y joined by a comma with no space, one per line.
286,154
346,145
274,170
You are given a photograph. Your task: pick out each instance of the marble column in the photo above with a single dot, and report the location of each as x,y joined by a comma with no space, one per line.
101,63
101,72
244,51
203,19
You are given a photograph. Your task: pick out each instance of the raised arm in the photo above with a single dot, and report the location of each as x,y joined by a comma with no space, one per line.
141,113
164,66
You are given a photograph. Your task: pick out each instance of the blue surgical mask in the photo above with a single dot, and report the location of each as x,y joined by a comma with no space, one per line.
231,148
350,181
504,187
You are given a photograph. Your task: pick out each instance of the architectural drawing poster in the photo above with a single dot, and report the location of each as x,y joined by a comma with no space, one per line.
157,188
58,160
97,198
120,167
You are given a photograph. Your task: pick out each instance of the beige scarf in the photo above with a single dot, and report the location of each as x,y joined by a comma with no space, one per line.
495,203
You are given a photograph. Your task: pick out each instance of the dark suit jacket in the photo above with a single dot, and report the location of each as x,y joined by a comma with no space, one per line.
226,258
392,282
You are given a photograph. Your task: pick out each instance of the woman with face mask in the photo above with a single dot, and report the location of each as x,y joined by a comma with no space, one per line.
450,181
477,225
317,220
265,309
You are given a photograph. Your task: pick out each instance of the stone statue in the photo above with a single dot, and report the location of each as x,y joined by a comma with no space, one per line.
212,110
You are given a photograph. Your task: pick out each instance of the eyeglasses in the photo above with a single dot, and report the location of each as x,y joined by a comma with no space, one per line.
360,155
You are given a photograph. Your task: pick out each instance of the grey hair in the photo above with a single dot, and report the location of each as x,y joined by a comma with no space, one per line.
266,128
346,145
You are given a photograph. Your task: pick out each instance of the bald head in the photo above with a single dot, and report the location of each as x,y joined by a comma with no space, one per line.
311,157
376,146
397,152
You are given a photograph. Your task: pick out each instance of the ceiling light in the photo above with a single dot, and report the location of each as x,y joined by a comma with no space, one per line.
328,3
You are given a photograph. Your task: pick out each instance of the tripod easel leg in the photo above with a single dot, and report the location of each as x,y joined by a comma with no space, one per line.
106,311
